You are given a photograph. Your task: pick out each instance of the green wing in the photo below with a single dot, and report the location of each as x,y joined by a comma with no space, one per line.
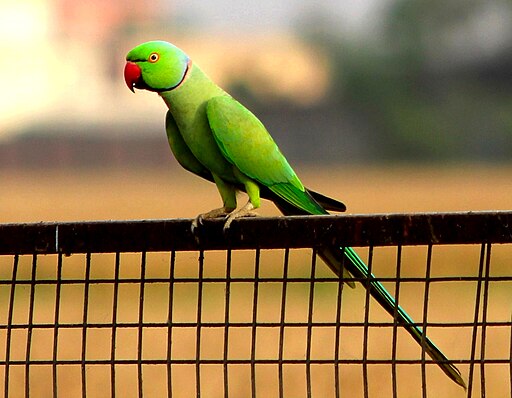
244,142
182,152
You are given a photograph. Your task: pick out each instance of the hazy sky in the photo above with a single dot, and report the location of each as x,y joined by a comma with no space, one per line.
272,14
34,74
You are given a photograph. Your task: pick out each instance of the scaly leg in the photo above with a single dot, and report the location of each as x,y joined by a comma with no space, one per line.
228,194
253,191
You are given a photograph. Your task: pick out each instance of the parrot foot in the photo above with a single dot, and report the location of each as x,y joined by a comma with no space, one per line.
246,211
215,213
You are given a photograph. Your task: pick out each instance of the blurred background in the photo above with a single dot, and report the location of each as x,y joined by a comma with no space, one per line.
362,92
388,105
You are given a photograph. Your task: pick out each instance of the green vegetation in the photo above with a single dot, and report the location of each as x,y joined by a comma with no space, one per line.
432,81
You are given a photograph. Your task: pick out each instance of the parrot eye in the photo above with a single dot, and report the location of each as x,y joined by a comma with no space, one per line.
153,57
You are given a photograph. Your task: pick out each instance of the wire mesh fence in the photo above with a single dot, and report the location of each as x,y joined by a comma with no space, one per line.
148,309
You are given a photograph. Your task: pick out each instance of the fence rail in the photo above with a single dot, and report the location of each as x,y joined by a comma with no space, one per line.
147,308
251,233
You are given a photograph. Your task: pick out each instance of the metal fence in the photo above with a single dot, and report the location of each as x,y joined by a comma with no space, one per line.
146,308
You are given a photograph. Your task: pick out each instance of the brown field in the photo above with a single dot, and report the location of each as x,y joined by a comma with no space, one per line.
168,192
44,195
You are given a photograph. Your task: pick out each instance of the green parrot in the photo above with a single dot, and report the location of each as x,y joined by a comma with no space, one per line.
217,138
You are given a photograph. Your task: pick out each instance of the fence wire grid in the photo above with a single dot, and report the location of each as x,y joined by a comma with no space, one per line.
148,309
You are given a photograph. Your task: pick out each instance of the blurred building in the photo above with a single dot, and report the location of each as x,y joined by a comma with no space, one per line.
68,57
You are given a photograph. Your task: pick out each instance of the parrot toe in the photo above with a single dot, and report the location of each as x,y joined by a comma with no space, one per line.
215,213
246,211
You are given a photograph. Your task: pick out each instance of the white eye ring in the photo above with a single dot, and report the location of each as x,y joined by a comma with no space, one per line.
153,57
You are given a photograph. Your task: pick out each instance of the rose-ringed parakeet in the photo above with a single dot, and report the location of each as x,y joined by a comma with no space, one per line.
215,137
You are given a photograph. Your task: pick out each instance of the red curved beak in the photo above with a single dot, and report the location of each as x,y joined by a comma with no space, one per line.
132,75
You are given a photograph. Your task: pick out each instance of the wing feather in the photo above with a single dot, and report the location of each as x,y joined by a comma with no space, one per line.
246,143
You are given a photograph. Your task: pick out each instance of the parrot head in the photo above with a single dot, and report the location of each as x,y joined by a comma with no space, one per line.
155,66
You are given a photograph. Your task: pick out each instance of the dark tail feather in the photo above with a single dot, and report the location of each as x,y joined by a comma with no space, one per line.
328,203
358,269
289,209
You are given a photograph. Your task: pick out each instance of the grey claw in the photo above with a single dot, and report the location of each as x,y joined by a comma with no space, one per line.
227,225
196,223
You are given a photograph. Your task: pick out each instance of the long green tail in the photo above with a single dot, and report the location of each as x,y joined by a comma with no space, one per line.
334,259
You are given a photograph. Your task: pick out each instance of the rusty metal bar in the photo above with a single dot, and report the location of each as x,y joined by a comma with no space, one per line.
263,232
